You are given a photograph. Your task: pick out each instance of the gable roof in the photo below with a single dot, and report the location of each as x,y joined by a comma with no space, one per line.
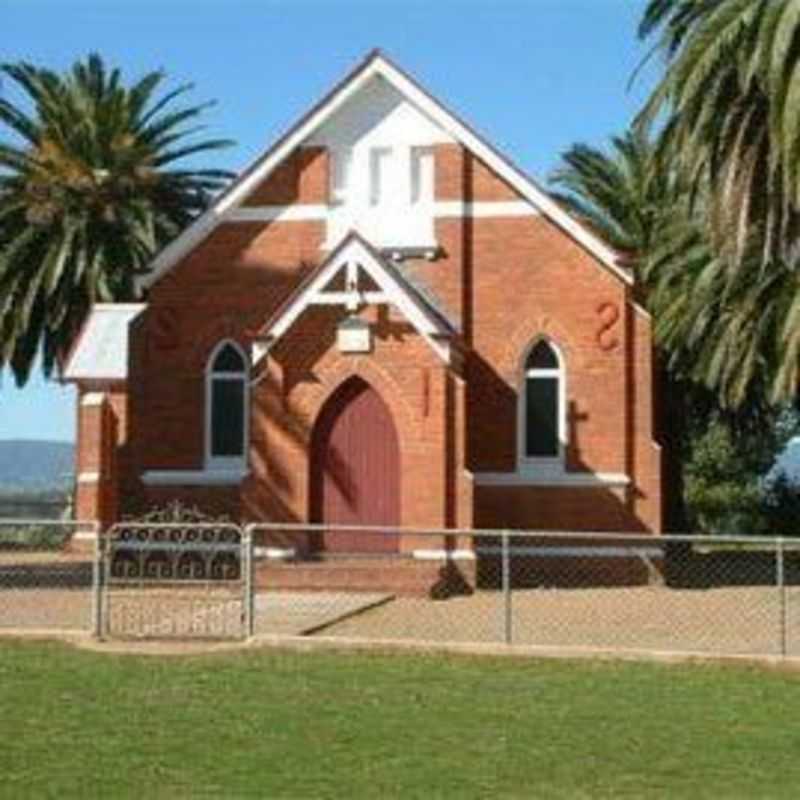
377,64
394,288
101,350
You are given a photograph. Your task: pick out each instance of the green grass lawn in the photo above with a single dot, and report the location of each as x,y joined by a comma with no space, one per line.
273,724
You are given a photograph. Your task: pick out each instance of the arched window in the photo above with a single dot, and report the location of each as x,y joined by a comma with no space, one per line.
542,403
226,407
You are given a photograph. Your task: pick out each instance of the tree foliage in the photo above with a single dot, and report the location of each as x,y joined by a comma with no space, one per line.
726,294
622,193
732,486
90,188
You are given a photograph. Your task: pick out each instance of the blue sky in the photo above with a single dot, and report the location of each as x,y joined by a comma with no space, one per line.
533,76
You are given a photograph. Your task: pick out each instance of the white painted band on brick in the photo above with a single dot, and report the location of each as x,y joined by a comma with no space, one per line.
576,552
93,399
89,477
300,212
275,553
444,555
193,477
443,209
565,479
485,209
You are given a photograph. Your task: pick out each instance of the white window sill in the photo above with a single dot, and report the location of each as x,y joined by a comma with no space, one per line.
637,552
178,477
551,478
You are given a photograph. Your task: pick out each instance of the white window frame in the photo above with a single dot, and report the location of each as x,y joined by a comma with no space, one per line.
382,168
226,463
341,168
420,193
542,465
377,189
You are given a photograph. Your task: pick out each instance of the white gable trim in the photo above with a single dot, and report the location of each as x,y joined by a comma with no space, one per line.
377,65
351,254
442,209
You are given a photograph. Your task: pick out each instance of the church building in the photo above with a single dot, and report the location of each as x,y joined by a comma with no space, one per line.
382,321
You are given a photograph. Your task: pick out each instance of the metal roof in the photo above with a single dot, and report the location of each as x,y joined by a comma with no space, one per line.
101,352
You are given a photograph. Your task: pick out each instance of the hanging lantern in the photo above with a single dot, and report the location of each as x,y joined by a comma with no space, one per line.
353,335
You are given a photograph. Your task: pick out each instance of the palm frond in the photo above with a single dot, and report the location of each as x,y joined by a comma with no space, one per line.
89,193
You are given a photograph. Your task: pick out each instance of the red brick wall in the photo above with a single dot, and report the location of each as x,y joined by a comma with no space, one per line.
462,176
508,280
301,178
96,464
554,509
227,288
647,464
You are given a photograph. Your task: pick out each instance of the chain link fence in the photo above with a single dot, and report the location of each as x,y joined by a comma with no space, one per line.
47,579
623,592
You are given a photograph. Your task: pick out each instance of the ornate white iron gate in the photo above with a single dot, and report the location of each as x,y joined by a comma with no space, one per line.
174,581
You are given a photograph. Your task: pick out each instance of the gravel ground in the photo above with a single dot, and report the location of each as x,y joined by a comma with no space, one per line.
174,614
46,609
50,592
723,621
299,613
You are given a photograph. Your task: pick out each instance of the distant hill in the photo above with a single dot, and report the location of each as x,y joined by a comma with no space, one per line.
34,466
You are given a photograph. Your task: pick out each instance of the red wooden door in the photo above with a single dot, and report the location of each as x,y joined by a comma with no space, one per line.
356,470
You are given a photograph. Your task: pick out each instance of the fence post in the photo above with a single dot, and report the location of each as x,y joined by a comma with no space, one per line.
97,584
506,561
780,578
247,567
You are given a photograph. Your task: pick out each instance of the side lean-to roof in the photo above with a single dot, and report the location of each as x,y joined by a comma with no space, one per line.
374,65
101,350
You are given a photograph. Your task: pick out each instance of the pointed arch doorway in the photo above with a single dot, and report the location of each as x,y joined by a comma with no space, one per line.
355,470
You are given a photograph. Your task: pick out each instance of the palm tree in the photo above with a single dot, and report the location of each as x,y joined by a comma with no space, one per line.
731,92
730,103
623,195
90,189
